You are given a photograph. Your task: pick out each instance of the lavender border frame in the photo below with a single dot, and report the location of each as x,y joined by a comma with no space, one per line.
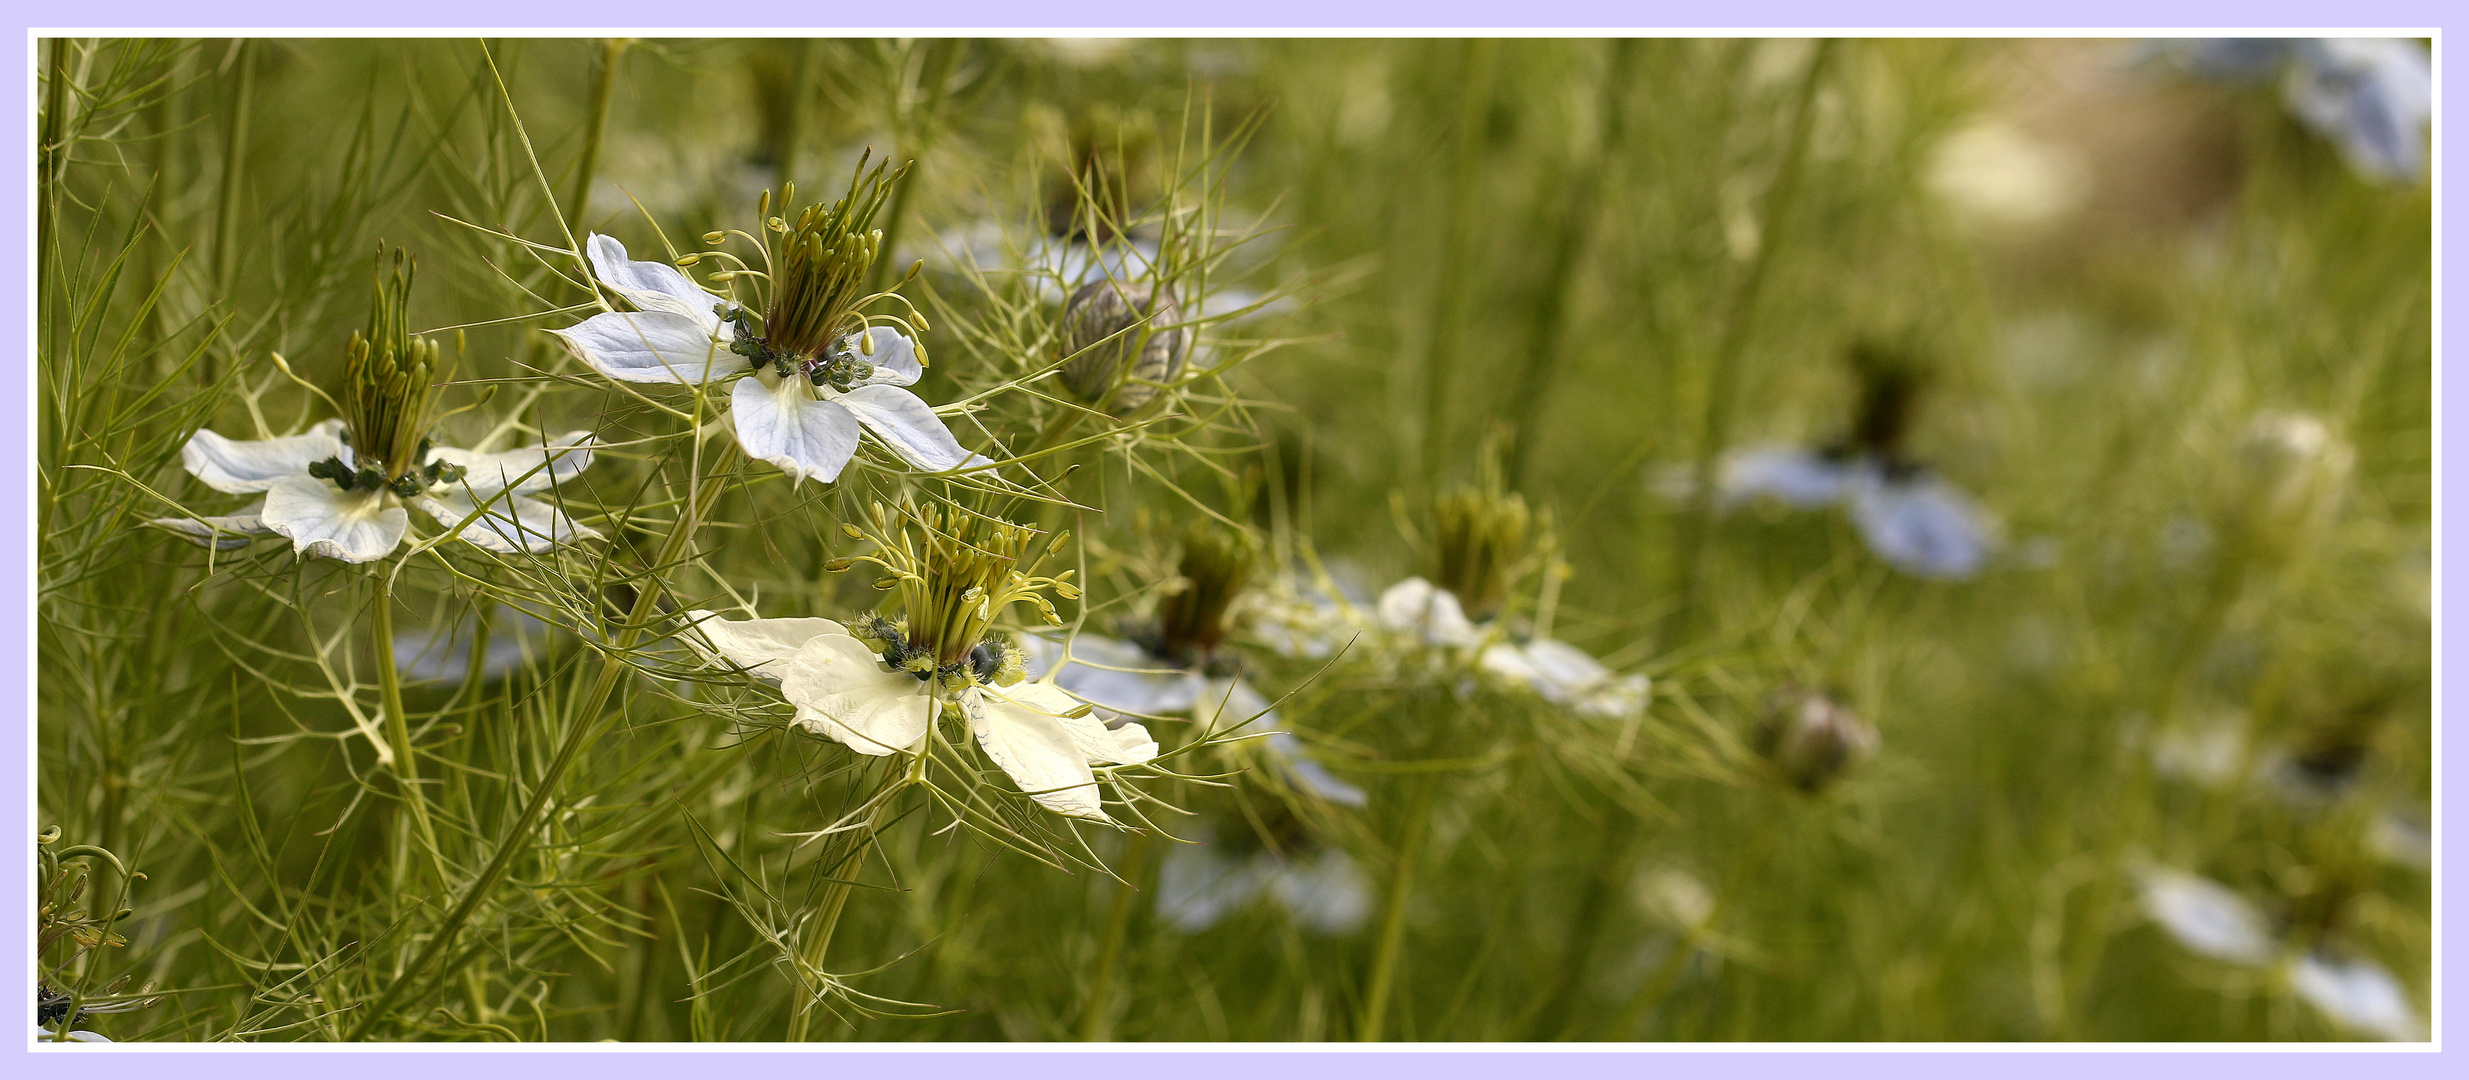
17,662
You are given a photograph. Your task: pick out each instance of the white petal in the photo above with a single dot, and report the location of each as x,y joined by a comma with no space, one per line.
1922,525
1196,886
511,523
225,533
895,357
44,1033
652,286
761,646
243,466
324,520
649,347
906,424
844,691
2360,995
527,469
1023,735
1419,607
785,426
1795,477
2205,916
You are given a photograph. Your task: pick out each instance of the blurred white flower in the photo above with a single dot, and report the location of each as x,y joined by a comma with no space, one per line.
2205,916
801,414
1564,675
2359,995
1992,173
1675,897
1320,887
1428,613
1046,741
319,495
44,1034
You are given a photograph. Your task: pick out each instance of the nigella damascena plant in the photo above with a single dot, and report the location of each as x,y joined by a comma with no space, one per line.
1179,663
1811,739
2371,97
1910,516
812,369
879,684
339,490
2213,921
1481,534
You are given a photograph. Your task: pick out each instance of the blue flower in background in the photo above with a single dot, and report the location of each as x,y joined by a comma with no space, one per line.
2372,97
1908,515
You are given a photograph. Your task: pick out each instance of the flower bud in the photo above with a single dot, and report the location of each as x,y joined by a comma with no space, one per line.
1812,740
1119,340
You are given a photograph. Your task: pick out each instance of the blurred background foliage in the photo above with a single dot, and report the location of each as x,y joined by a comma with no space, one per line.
1613,260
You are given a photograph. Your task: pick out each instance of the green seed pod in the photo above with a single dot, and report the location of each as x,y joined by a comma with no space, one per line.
1119,340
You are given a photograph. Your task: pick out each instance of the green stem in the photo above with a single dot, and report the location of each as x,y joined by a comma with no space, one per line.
398,725
840,870
1393,914
1577,219
1095,1014
922,132
1448,304
235,157
611,51
1586,923
588,721
1738,322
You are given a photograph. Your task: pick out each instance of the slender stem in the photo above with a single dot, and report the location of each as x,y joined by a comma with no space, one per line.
611,51
920,135
1737,324
840,870
1577,221
235,159
588,722
1586,923
398,726
1448,294
1095,1014
1393,915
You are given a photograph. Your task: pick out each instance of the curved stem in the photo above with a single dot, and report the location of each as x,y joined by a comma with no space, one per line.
1393,915
1094,1014
611,51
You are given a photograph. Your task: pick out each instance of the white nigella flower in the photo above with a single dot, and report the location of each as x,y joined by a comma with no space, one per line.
811,371
2205,916
877,688
1564,675
340,489
2212,921
2358,994
1557,671
1320,887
